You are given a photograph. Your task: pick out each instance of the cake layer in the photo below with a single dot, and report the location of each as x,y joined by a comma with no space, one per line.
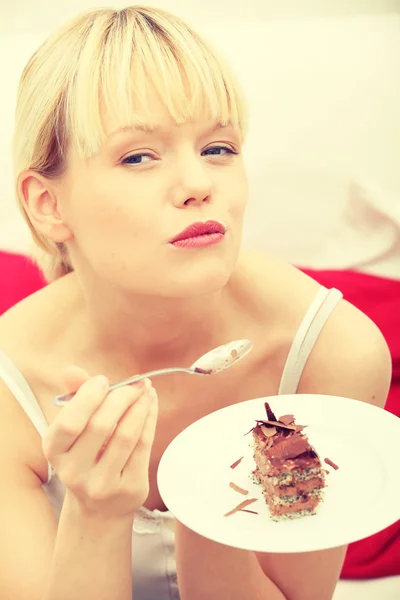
303,503
297,469
301,487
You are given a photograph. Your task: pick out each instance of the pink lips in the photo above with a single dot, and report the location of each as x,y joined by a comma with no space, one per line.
199,234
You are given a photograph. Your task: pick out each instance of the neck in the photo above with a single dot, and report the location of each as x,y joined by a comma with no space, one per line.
153,332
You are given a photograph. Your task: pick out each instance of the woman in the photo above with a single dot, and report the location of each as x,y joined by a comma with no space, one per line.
128,131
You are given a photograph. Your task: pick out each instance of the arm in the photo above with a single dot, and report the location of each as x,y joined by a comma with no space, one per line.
92,559
350,359
82,559
89,554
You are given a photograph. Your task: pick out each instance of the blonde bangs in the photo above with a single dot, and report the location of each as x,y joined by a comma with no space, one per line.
139,53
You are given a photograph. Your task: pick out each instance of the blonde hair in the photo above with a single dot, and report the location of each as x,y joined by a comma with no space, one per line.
108,59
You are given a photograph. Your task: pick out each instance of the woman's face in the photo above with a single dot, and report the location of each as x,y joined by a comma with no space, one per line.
125,205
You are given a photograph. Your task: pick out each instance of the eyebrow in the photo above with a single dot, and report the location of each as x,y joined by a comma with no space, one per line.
133,128
157,128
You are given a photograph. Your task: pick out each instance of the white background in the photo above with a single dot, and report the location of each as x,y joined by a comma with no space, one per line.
322,80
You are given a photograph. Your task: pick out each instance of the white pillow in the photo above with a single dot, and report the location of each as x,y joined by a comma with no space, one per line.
323,220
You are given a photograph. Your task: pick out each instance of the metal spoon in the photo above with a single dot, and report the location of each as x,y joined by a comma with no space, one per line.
213,362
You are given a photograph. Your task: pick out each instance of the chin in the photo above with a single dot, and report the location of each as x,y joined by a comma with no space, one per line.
202,277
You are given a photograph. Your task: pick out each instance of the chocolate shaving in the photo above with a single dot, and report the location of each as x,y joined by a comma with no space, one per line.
289,447
300,427
236,463
269,443
270,414
268,431
238,489
253,512
204,371
241,506
277,424
331,463
286,419
249,431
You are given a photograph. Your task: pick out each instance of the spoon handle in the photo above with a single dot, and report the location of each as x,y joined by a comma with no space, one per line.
65,398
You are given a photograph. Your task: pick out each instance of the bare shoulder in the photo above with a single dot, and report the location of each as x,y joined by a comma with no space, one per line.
275,294
26,331
275,281
33,325
27,318
351,358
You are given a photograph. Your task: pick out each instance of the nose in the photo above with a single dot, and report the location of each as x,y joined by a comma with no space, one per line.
194,184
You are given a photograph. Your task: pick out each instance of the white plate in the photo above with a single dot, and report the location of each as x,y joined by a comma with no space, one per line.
361,499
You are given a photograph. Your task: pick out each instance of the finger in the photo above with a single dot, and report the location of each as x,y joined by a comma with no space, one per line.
147,386
125,437
74,377
137,464
74,417
149,429
105,420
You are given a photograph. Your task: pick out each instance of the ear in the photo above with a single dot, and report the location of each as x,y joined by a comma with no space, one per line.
40,202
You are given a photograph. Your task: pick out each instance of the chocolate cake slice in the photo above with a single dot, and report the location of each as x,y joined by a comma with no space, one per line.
287,467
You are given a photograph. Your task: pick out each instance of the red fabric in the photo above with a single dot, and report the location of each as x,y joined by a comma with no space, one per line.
379,299
19,278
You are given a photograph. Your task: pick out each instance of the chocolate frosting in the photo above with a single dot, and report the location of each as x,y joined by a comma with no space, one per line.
284,440
289,447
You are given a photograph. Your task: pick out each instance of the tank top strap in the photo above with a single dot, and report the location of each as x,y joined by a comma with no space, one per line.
307,334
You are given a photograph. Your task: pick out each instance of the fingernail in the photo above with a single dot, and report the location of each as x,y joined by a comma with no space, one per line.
101,382
139,384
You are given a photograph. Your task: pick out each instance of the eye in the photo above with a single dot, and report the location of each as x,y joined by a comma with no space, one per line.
136,159
218,151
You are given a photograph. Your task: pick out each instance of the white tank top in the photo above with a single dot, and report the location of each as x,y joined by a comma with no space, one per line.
153,540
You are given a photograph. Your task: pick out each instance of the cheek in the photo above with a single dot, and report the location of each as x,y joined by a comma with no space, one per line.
238,196
107,206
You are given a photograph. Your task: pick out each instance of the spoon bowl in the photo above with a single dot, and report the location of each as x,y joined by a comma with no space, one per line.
222,358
